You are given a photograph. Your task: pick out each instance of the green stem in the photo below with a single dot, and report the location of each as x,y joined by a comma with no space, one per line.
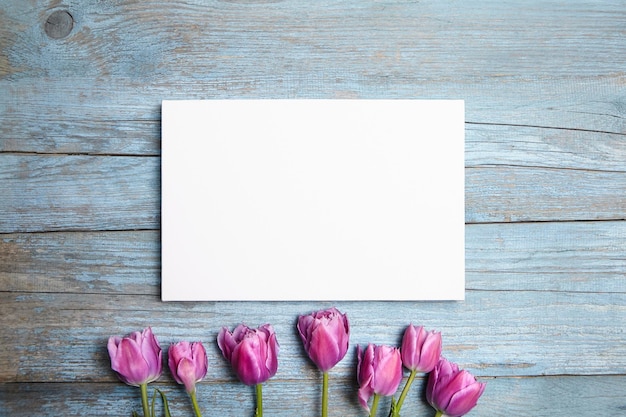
325,394
144,400
194,401
374,405
438,413
153,402
405,391
259,400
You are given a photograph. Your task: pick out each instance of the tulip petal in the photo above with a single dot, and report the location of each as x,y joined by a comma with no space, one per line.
272,356
464,400
430,352
129,363
226,343
431,385
323,349
364,394
186,372
151,352
305,327
365,367
112,345
388,373
246,361
198,354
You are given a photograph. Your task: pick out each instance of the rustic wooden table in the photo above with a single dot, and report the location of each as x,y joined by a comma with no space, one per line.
544,84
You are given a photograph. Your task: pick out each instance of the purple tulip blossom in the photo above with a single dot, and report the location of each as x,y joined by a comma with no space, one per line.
420,349
379,372
451,391
253,353
136,358
325,335
188,363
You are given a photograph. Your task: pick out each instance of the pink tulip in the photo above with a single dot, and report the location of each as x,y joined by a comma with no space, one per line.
379,371
451,391
325,336
253,353
188,363
136,358
420,349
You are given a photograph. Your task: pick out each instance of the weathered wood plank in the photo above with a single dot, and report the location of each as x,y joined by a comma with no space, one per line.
578,256
43,193
528,34
522,146
536,64
120,193
423,39
120,126
111,125
494,333
485,144
523,397
100,136
513,194
561,256
81,262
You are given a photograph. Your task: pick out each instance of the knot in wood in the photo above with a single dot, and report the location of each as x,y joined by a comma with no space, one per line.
59,24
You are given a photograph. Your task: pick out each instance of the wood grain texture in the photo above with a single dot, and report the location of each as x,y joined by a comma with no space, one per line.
505,335
118,193
46,193
545,92
541,397
515,64
560,256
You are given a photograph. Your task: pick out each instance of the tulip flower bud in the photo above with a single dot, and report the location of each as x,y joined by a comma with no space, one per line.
452,391
379,371
188,363
253,353
420,349
325,336
136,358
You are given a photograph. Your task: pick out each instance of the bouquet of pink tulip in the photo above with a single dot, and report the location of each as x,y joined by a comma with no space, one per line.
253,355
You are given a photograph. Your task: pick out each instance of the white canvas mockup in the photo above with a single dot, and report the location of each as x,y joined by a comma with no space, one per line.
312,200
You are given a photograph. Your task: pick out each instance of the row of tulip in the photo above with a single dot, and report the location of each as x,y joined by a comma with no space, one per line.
253,355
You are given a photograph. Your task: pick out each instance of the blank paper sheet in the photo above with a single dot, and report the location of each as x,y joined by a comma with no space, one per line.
312,200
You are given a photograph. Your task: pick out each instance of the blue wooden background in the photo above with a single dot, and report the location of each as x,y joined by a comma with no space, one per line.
544,83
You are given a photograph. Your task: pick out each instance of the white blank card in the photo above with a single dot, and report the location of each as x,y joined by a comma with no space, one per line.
312,200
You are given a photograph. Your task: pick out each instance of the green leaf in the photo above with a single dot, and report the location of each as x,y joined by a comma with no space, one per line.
394,411
152,404
166,406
